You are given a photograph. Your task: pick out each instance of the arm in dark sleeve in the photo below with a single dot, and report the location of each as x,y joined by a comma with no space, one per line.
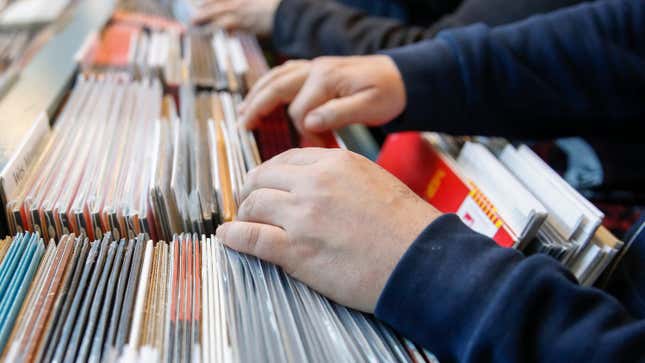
580,70
467,300
310,28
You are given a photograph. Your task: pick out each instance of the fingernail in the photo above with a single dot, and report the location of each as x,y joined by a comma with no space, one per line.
313,121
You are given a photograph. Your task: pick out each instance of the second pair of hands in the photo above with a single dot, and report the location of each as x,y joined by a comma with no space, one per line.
254,16
330,218
324,94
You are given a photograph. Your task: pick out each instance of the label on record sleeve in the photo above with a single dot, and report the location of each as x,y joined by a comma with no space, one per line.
435,178
475,218
17,169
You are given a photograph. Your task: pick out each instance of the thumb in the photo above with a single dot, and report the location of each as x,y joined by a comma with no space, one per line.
340,112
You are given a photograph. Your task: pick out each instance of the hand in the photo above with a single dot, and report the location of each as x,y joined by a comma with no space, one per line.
255,16
329,93
330,218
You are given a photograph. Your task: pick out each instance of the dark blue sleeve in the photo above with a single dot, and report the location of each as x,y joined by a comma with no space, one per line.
467,300
311,28
580,70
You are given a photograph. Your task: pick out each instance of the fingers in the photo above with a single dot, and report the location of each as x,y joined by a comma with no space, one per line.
315,92
228,21
272,176
339,112
266,242
300,157
267,206
282,172
275,90
275,73
216,10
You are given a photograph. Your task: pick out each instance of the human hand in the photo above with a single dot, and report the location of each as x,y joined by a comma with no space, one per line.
329,93
255,16
330,218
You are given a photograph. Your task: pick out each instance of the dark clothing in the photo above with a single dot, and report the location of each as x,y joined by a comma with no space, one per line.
465,299
456,292
577,71
310,28
392,9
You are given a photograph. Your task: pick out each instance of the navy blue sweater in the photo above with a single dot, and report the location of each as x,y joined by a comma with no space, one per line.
577,71
464,298
454,291
311,28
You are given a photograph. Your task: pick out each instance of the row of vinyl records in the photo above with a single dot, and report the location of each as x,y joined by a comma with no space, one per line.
137,155
507,193
144,45
188,300
133,153
119,148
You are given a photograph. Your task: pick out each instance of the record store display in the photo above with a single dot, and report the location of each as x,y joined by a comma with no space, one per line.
506,193
152,170
144,148
114,191
186,300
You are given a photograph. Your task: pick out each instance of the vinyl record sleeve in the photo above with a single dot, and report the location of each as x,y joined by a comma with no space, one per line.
74,343
109,346
68,297
97,304
127,310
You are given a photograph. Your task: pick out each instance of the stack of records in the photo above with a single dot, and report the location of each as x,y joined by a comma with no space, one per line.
137,146
92,174
128,46
101,170
189,300
513,197
572,231
19,260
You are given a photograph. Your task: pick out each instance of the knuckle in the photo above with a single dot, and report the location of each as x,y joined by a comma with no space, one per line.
323,66
344,157
274,72
296,116
279,87
293,62
273,89
252,178
311,211
289,154
248,208
251,237
327,113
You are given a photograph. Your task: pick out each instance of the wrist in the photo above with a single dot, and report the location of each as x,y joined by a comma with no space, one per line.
397,95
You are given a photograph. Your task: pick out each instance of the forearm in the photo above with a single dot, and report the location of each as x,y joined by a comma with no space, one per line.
468,300
533,78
